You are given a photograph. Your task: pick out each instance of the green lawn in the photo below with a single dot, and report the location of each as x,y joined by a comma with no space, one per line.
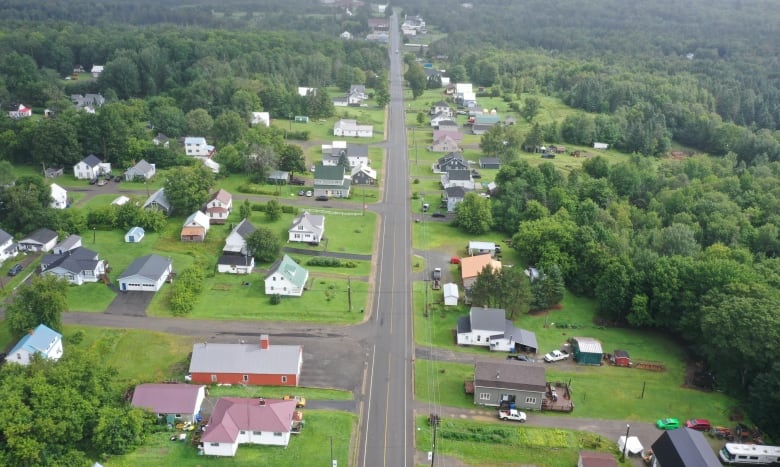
94,297
486,443
311,447
276,392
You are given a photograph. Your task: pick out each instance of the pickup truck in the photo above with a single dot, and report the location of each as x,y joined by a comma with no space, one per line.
436,273
512,414
556,356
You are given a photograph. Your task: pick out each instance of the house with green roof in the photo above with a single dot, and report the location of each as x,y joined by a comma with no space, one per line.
286,277
332,181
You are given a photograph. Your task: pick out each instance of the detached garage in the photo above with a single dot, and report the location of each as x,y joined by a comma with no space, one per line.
587,351
146,274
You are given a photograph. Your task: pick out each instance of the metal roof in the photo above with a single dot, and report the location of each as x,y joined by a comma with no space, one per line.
291,271
245,359
588,345
168,398
39,339
232,415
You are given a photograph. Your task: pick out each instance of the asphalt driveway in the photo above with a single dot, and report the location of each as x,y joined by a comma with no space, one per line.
130,303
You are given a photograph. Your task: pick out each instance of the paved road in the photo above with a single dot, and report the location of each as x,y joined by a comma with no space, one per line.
386,427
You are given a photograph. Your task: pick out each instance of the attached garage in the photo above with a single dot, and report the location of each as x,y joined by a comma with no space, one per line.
587,351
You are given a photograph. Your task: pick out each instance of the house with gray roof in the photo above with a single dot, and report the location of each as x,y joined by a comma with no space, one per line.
40,240
684,448
488,327
91,168
458,177
256,363
453,196
307,228
171,401
235,257
141,170
331,181
514,383
287,278
77,266
72,242
235,243
489,163
8,248
355,154
158,200
146,274
452,161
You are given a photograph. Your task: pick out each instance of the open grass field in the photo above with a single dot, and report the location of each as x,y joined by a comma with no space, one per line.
485,443
311,447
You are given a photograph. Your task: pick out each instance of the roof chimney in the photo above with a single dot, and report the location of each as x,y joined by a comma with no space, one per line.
264,342
261,402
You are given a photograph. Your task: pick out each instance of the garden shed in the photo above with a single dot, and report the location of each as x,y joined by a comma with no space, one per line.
621,358
134,235
587,351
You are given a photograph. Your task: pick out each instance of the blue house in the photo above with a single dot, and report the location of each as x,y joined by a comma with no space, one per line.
42,340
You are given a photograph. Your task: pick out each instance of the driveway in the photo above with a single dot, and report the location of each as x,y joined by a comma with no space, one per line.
130,303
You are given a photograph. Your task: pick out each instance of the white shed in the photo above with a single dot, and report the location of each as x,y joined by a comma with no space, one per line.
134,235
450,294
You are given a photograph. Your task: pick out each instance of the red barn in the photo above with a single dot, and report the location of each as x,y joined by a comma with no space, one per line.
255,364
621,358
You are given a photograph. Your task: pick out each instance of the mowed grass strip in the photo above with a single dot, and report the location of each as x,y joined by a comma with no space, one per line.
310,447
276,392
486,443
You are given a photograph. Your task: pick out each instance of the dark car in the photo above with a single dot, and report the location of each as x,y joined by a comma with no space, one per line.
438,214
117,179
321,198
93,181
297,181
16,269
519,358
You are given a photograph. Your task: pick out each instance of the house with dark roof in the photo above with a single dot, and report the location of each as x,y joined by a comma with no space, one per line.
457,177
308,228
480,128
235,243
235,257
488,327
514,383
159,201
355,154
219,206
287,278
171,401
258,363
490,163
453,196
161,140
7,246
42,340
91,168
142,170
441,107
40,240
452,161
363,175
331,181
236,421
146,274
444,143
77,265
683,448
440,117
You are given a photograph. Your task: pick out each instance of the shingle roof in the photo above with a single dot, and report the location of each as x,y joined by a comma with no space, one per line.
142,167
150,266
328,172
4,236
455,192
91,160
41,236
74,261
245,228
311,222
464,324
232,415
459,174
159,198
245,359
509,376
685,448
488,319
69,243
39,340
167,398
290,270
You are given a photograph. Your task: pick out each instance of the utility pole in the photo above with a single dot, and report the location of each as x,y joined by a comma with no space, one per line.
433,446
349,292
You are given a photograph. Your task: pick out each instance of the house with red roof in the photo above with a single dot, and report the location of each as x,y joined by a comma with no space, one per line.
19,111
236,420
172,401
218,207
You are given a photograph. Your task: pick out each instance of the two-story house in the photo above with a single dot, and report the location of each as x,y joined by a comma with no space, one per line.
196,146
235,257
356,155
331,181
90,168
452,161
307,228
219,206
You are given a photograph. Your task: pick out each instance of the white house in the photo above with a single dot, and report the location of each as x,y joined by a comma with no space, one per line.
20,111
42,340
195,227
237,421
219,206
77,266
303,91
235,257
349,127
91,168
172,401
600,146
96,71
450,294
7,247
196,146
40,240
59,197
286,278
307,228
488,327
146,274
261,118
141,169
134,235
356,154
235,243
236,264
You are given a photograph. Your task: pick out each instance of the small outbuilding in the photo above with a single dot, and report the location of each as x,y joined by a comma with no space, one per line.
596,459
587,351
450,294
134,235
621,358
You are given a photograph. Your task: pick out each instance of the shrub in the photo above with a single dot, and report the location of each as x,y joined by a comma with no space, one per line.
325,262
276,299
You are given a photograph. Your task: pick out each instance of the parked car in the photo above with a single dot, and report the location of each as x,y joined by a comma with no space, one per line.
300,401
101,182
436,274
297,181
93,181
15,269
519,358
699,424
117,179
668,424
556,356
438,214
301,193
309,193
321,198
454,260
512,414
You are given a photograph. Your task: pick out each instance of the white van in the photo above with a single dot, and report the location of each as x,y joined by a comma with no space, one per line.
739,454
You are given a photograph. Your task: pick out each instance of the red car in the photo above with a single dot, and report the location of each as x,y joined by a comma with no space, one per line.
699,424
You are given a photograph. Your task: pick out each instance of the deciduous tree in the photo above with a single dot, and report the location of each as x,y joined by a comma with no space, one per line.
40,302
264,244
473,214
187,188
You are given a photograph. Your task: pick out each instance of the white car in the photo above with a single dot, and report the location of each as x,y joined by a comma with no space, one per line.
556,356
512,414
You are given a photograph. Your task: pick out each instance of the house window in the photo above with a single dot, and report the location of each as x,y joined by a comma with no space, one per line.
530,400
479,338
214,444
277,433
213,378
484,396
284,379
245,378
243,432
257,433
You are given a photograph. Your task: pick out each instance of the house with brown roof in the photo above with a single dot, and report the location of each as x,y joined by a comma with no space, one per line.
514,383
172,401
236,420
195,227
470,266
218,207
596,459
